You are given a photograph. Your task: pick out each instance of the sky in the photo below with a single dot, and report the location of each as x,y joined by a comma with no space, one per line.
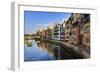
35,20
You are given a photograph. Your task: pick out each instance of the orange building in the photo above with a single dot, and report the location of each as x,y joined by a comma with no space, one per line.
76,19
76,36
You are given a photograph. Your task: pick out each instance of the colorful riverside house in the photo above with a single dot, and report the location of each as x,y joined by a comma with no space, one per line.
62,32
85,31
68,30
56,31
42,33
76,28
50,31
39,33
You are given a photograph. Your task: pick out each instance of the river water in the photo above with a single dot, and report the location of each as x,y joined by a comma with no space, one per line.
41,50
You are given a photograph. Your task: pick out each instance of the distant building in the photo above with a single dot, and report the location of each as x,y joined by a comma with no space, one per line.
62,32
42,33
50,30
56,31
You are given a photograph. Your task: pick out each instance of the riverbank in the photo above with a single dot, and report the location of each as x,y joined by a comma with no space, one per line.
71,47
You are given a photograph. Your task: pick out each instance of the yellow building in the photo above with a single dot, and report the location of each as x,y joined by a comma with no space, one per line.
68,31
50,30
86,35
85,32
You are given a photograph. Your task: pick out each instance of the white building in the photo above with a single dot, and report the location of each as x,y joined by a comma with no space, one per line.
56,31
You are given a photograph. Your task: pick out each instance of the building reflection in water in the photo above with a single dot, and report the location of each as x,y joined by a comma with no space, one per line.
50,48
43,50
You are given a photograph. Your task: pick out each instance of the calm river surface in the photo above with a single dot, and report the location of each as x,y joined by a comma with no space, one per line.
40,50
